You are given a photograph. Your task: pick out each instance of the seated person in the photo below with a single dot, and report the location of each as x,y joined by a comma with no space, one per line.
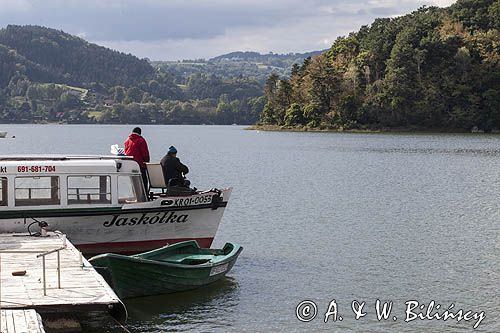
173,170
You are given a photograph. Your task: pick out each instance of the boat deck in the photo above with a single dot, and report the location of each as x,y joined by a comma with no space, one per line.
21,321
82,289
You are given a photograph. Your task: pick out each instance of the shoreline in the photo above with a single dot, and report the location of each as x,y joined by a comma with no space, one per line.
276,128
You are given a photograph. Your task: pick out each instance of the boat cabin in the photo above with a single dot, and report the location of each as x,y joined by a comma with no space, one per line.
42,182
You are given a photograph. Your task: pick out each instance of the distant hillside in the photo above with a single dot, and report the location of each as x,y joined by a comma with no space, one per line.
275,59
47,75
12,62
50,55
251,65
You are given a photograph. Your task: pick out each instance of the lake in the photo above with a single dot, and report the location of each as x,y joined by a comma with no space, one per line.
322,217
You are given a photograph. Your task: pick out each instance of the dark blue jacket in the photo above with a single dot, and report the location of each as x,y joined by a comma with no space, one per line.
173,168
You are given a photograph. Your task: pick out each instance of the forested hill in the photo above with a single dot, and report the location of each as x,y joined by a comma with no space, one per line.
265,58
50,55
47,75
436,68
251,65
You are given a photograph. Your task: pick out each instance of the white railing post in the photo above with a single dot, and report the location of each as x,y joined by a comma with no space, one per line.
43,276
59,269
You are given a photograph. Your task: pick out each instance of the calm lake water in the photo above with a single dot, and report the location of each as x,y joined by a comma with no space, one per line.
325,216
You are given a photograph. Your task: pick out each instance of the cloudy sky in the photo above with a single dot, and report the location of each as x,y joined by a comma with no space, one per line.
189,29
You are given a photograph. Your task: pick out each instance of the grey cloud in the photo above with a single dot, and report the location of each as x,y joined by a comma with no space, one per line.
383,11
175,29
149,20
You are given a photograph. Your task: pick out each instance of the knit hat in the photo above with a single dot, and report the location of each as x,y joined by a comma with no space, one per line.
172,150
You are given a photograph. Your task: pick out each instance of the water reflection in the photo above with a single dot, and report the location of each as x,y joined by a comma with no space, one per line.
204,309
419,151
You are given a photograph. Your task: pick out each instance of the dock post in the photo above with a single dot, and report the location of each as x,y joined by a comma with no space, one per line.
58,270
43,276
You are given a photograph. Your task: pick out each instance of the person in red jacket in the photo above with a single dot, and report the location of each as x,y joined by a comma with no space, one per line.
137,147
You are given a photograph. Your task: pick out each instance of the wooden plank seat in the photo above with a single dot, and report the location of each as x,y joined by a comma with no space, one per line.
194,259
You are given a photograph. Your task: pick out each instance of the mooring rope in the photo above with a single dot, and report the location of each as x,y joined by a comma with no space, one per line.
120,324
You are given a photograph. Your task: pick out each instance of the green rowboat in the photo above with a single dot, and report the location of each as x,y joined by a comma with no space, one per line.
178,267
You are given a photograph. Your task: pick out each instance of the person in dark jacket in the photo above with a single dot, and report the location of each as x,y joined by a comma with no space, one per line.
174,169
137,147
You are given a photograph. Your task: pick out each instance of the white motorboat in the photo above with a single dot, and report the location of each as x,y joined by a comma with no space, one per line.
100,204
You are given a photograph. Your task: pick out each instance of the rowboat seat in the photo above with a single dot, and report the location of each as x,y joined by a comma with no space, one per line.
195,259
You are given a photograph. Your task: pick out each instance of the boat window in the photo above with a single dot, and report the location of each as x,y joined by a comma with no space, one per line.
89,190
130,189
3,191
34,191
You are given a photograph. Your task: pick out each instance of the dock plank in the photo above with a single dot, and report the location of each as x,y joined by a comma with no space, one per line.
21,321
9,322
80,286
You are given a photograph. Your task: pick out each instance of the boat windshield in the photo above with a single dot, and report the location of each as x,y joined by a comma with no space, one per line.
130,189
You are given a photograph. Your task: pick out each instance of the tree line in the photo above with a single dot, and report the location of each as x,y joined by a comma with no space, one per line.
436,68
204,100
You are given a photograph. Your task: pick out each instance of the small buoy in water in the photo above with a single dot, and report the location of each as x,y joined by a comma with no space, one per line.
13,137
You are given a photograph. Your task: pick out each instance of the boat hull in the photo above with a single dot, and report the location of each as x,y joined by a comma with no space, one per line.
126,231
133,277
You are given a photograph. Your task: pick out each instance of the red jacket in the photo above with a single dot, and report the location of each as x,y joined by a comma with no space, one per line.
137,147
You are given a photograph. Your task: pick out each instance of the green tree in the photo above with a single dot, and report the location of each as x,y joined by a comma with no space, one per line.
267,115
69,101
294,115
312,115
133,95
119,94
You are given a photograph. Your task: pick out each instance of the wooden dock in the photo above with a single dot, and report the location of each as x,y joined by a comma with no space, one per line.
78,288
21,321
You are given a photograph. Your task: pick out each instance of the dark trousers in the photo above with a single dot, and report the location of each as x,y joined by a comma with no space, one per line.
145,180
178,182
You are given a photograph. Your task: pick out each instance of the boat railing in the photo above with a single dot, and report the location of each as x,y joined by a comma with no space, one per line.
35,190
46,157
90,195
